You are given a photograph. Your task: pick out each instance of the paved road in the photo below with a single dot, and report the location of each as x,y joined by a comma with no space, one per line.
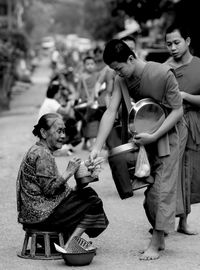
119,245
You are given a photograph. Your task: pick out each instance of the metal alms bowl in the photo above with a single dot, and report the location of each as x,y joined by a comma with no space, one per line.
145,116
127,147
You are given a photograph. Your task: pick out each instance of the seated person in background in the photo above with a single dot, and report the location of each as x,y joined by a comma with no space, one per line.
52,104
44,199
67,81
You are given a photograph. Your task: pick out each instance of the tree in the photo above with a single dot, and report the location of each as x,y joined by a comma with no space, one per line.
105,18
67,19
99,20
50,17
37,20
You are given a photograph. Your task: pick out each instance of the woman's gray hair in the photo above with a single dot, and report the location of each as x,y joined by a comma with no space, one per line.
46,121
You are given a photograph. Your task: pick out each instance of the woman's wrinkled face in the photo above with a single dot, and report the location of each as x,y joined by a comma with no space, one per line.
124,69
176,44
56,134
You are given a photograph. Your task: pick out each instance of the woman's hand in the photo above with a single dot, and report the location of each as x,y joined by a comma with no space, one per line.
73,165
144,138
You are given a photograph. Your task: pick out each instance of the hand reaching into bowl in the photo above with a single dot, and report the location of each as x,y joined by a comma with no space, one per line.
94,166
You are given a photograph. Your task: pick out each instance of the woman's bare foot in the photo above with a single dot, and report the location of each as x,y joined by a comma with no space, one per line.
77,232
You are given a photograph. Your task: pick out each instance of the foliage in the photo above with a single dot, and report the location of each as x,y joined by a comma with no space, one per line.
37,20
105,18
49,17
100,21
12,46
67,19
17,39
142,10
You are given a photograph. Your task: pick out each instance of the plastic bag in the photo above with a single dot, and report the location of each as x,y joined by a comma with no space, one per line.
142,167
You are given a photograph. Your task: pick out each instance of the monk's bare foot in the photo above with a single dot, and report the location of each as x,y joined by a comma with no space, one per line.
151,232
157,242
160,248
186,230
142,251
150,254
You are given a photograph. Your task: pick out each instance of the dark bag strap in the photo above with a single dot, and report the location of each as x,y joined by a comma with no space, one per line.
125,95
126,107
124,132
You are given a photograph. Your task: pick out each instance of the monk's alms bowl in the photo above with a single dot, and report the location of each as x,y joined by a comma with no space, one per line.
123,148
145,116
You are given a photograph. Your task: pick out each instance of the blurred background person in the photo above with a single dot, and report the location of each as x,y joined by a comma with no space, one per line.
55,58
53,104
86,93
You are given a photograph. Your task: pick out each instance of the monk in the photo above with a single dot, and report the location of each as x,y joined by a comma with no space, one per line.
186,68
148,80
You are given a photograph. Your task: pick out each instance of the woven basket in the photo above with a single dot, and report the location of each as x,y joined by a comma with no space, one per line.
74,247
79,245
83,243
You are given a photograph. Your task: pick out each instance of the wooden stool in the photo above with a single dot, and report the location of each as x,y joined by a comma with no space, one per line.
41,245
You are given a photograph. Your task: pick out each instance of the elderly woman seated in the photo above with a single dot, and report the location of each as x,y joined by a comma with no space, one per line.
44,198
